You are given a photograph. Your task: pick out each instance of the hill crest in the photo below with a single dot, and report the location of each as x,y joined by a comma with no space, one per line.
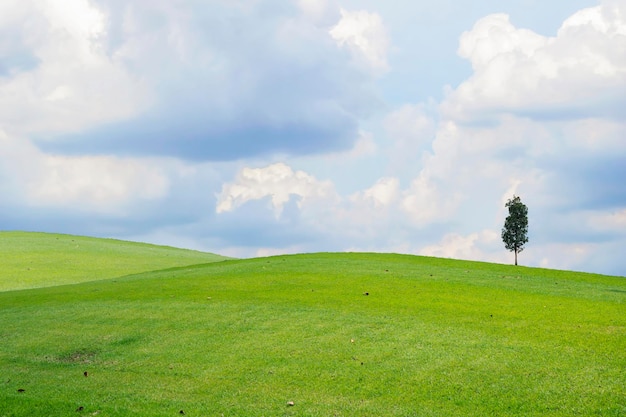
37,259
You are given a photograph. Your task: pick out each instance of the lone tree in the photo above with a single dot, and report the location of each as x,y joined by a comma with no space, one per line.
515,230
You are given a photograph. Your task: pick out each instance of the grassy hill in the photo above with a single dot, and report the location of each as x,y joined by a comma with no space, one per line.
31,260
319,335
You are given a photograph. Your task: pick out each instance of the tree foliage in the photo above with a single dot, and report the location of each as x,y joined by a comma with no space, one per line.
515,230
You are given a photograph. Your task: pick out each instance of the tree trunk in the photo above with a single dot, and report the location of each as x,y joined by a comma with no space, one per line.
515,257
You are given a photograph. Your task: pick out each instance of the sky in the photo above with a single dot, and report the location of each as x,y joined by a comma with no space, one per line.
261,127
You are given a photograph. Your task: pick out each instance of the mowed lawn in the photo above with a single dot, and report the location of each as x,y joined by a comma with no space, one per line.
32,260
319,335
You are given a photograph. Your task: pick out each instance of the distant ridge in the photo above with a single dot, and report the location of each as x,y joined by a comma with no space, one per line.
35,259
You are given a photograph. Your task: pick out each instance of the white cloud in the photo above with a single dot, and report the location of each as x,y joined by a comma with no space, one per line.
263,252
562,255
216,81
77,17
580,71
98,184
426,201
593,135
511,191
494,37
72,83
610,19
364,146
475,246
322,12
382,194
364,33
277,181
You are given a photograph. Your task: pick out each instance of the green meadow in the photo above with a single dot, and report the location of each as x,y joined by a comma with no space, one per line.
31,260
168,332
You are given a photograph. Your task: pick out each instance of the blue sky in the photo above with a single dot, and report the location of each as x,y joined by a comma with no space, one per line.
258,127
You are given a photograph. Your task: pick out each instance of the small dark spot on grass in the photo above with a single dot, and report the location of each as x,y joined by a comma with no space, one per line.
21,390
366,293
124,341
86,373
181,412
77,356
81,408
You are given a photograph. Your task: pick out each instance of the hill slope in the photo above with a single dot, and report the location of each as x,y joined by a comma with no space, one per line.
31,260
336,334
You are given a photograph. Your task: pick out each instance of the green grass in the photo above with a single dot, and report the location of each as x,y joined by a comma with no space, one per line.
432,337
32,260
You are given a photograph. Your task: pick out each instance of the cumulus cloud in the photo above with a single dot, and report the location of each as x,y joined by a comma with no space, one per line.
365,35
483,245
100,184
426,201
580,71
55,76
379,217
382,194
216,81
277,181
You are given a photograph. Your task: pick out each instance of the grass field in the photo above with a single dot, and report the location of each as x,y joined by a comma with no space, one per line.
332,334
31,260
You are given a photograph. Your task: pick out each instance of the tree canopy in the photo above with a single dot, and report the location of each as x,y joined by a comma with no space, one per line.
515,230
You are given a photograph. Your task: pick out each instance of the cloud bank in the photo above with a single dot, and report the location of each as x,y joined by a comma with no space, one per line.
210,81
